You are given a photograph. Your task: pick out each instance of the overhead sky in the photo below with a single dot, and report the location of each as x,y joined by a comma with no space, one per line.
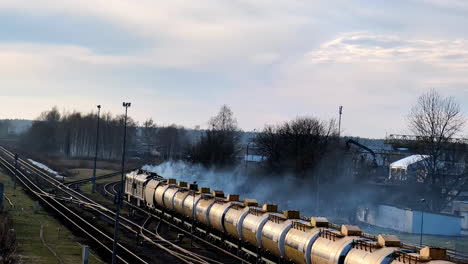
270,60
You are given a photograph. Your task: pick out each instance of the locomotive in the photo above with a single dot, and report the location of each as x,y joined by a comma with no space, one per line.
284,235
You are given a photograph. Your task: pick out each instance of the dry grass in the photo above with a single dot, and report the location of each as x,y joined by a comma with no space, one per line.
27,225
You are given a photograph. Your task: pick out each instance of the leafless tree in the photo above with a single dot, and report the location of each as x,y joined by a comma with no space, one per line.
218,145
436,121
224,120
149,133
170,141
297,145
74,134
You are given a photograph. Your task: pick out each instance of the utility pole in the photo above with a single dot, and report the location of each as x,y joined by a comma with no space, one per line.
93,179
339,121
193,188
247,159
121,189
247,155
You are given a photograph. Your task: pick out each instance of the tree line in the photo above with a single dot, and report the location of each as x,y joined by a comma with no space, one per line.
299,146
74,134
296,145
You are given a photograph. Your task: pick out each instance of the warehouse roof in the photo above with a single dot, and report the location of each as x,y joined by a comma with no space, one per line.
405,162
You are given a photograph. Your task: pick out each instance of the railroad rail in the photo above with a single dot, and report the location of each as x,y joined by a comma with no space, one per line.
72,196
171,216
105,176
240,253
84,226
231,248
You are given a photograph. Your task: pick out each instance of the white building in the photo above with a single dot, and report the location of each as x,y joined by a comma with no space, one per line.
411,165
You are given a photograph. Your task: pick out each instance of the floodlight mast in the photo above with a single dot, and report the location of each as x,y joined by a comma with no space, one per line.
93,179
120,191
340,112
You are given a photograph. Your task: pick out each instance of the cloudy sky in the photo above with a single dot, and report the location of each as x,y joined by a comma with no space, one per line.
178,61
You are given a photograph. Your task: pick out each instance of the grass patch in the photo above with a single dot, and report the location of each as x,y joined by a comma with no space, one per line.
28,224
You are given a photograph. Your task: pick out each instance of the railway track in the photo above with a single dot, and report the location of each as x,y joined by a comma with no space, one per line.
162,213
72,196
56,205
110,189
56,202
77,182
237,252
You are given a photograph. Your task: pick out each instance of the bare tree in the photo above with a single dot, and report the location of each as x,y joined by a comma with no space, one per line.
170,141
436,121
149,135
218,145
297,145
224,120
73,134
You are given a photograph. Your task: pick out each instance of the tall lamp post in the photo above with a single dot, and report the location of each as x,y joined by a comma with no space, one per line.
93,179
120,190
193,188
340,111
247,156
422,222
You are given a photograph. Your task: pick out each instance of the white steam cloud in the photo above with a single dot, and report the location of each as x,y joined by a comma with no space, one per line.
286,192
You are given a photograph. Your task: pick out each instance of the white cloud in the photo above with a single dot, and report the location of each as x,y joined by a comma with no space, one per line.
451,4
185,33
360,47
374,76
269,60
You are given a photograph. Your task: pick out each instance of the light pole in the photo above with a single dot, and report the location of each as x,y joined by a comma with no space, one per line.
247,156
422,222
121,189
194,186
340,111
93,179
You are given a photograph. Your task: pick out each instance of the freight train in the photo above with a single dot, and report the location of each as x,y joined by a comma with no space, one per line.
286,235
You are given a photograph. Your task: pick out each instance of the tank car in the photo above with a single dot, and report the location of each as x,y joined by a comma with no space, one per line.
204,205
283,235
179,199
274,232
219,209
254,221
161,189
332,246
300,238
427,255
373,252
235,216
150,188
191,201
168,197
